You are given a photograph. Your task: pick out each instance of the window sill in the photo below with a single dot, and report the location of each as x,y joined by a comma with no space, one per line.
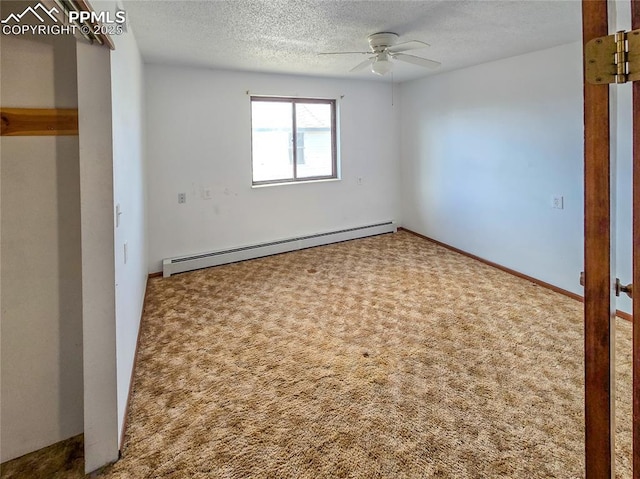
302,182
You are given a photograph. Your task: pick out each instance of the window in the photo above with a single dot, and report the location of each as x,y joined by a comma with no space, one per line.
292,139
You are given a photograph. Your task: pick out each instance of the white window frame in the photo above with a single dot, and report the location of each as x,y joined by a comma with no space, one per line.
334,140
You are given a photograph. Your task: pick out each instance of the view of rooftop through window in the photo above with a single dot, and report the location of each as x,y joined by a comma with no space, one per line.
293,139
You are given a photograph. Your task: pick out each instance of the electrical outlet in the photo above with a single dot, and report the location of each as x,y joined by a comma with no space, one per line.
182,198
557,202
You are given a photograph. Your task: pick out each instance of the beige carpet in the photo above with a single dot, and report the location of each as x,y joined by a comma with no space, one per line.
388,357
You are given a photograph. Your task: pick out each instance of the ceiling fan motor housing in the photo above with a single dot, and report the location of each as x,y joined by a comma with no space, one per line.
381,41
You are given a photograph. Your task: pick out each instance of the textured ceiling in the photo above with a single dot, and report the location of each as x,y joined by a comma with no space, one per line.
285,36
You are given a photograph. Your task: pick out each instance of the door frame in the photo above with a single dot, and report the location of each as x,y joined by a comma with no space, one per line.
635,24
600,276
599,307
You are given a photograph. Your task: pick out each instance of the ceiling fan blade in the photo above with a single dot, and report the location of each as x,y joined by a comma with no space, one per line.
423,62
343,53
363,65
405,46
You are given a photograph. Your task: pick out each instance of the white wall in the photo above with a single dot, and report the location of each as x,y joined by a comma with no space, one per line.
483,151
199,136
624,167
41,326
130,193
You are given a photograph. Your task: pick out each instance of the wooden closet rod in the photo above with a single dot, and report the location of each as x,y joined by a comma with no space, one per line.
39,121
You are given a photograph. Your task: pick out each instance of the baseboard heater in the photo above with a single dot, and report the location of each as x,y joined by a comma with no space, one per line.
205,260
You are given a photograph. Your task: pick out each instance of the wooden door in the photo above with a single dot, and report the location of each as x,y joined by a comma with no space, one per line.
599,263
599,316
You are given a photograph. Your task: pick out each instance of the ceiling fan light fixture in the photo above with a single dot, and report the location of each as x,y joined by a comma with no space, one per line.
384,51
382,65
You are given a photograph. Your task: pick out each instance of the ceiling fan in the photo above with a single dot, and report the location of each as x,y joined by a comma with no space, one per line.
384,47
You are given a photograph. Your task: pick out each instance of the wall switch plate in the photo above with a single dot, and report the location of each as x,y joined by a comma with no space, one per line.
182,198
557,202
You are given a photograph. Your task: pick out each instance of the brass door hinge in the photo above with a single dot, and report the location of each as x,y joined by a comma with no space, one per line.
614,58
